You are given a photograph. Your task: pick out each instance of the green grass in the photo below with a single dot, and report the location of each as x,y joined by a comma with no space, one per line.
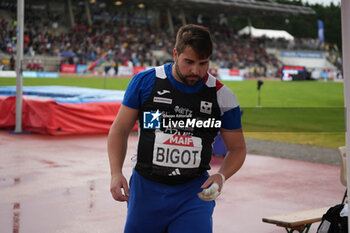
306,112
289,94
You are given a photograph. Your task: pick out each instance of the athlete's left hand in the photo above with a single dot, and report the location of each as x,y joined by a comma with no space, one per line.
215,183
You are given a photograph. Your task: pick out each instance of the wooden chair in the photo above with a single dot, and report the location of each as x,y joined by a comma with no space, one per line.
343,173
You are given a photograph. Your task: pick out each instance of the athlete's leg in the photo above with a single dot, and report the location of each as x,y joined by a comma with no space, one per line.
145,210
196,219
192,214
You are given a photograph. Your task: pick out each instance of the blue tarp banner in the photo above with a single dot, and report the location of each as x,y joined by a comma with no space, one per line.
67,94
317,55
33,74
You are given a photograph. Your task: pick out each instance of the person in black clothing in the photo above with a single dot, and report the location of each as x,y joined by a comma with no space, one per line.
170,189
12,63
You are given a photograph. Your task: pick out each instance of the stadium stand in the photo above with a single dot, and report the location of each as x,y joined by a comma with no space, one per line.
312,63
79,33
139,39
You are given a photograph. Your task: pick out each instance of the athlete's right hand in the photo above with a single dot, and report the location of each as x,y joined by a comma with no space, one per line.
119,187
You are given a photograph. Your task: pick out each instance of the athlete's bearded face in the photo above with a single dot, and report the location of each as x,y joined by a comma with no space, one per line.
188,68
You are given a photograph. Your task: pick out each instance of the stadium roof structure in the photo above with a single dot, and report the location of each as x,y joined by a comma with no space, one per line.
248,6
237,7
229,7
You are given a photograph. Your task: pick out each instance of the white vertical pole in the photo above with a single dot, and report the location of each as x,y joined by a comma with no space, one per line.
183,18
170,22
250,25
71,15
19,50
88,14
345,19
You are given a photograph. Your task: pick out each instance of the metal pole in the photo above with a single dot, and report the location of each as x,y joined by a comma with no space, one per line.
183,18
88,14
170,22
19,49
345,19
71,15
250,25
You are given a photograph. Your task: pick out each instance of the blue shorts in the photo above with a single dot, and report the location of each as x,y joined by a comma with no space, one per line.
160,208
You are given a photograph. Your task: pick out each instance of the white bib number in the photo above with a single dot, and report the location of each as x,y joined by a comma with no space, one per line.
172,150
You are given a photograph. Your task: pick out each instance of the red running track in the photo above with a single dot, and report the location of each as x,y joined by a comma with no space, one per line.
61,184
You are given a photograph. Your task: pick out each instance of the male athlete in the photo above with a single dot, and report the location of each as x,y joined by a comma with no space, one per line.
180,109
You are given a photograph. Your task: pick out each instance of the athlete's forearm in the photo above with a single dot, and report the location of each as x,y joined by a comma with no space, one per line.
236,152
117,145
233,161
118,137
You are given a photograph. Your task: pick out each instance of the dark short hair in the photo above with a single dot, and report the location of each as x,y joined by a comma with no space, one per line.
196,36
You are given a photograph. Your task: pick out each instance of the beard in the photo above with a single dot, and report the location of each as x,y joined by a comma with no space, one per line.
189,80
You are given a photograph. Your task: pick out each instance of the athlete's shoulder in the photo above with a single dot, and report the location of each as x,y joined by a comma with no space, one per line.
142,79
224,94
161,71
145,74
211,81
139,88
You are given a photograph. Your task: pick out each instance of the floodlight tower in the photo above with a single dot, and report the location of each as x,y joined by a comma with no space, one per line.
19,50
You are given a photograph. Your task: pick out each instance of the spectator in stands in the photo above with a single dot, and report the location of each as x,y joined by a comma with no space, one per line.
29,65
12,63
136,43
